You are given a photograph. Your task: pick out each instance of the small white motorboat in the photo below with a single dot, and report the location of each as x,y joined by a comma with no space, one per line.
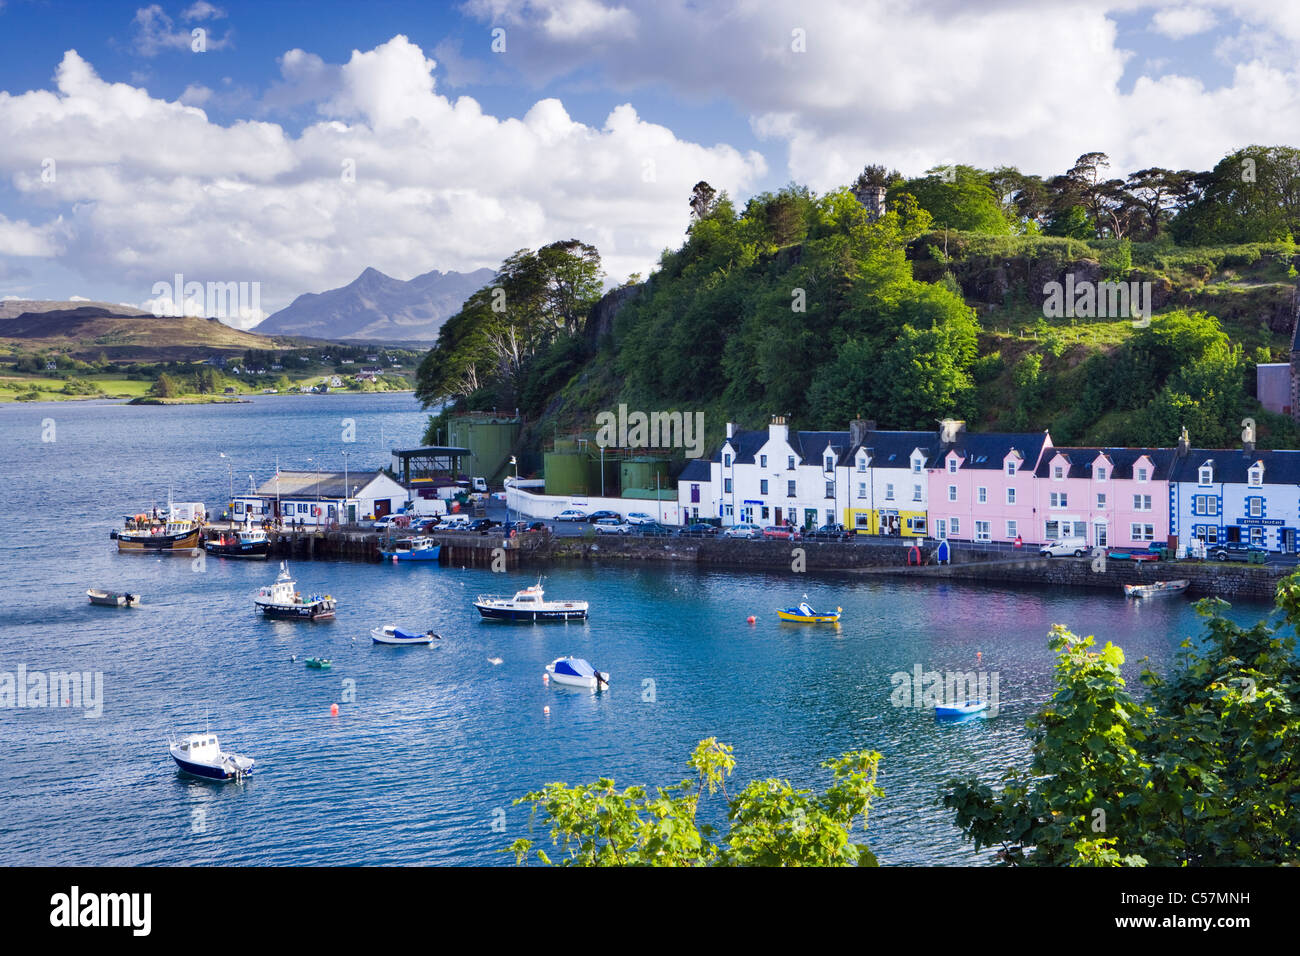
392,634
1158,587
201,756
575,672
112,598
960,711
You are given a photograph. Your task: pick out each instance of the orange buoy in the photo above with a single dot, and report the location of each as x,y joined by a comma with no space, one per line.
750,619
546,678
334,710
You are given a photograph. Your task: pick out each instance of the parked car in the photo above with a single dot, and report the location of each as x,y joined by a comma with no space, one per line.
1063,547
612,526
1233,551
425,524
571,514
602,515
539,526
483,525
832,532
700,530
743,531
391,521
779,531
640,517
455,523
654,530
516,527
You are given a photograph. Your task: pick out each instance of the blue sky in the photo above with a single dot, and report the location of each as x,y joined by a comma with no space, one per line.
593,121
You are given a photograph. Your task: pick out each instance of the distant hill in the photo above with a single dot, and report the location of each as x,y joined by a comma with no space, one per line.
123,333
12,308
378,308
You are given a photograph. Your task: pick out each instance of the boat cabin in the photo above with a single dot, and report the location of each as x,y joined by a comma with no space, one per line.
200,746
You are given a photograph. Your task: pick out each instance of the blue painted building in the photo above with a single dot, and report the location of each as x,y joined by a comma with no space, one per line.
1235,495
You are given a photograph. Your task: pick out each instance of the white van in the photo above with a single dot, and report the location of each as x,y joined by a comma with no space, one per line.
1063,547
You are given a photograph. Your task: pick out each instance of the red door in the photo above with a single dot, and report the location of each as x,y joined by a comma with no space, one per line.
381,508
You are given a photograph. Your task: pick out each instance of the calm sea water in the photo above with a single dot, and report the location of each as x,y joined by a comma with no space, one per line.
431,745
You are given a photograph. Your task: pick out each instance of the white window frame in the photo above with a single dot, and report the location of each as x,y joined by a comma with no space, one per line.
1011,496
982,495
952,492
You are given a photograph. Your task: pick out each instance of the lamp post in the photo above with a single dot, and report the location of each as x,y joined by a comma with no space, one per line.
514,461
345,486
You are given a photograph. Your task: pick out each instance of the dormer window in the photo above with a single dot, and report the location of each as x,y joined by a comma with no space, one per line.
1207,475
916,466
1256,476
1011,468
726,460
1058,472
789,463
952,466
762,461
1142,474
1101,474
830,463
862,463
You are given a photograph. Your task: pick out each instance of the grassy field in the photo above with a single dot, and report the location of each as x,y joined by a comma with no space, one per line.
40,388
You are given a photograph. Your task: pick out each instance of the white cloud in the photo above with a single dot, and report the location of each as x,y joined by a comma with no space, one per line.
202,10
915,84
155,32
394,174
1181,22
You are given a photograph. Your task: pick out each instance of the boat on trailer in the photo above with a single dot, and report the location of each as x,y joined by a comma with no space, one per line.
530,604
1155,588
201,756
112,598
392,634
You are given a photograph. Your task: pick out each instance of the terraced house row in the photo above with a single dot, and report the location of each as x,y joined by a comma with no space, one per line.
986,487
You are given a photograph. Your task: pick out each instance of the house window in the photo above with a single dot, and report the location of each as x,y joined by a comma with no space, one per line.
726,461
983,495
1012,533
1011,469
1141,502
862,464
1205,505
764,513
830,489
1052,530
1060,499
762,487
1207,476
1058,472
918,524
762,461
1256,507
1256,477
952,492
726,485
952,466
789,463
889,492
943,528
1101,474
916,492
1143,532
1101,502
830,463
1257,536
954,525
982,532
1142,474
726,511
862,489
1011,496
916,466
789,489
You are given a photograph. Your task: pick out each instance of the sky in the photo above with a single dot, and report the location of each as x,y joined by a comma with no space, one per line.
294,144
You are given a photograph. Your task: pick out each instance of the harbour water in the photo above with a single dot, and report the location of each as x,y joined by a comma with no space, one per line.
431,745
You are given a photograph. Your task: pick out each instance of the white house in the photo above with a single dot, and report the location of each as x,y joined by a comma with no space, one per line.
1230,495
322,497
885,489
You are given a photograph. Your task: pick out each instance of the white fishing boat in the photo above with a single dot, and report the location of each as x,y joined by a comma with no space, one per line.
1156,587
283,600
576,672
201,756
530,604
392,634
112,598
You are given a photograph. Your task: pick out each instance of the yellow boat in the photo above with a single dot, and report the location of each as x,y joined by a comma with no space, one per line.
804,614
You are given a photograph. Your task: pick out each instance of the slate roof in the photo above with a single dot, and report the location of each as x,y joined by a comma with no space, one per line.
990,449
1122,461
697,469
310,484
1231,465
894,449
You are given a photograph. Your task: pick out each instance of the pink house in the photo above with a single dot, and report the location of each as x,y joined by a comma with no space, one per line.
984,486
1111,497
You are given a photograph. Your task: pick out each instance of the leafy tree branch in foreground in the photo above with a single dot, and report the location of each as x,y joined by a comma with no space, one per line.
771,822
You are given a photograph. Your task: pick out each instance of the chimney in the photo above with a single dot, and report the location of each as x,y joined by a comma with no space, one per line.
1247,448
1184,445
731,429
778,430
950,429
858,429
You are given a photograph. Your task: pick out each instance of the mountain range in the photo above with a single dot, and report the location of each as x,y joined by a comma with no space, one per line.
377,307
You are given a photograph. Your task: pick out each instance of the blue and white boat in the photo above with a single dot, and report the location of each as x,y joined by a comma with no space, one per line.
972,708
201,756
575,672
413,549
392,634
530,604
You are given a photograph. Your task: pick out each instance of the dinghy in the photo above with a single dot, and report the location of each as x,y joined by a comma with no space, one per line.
1158,587
805,614
112,598
575,672
971,708
319,663
391,634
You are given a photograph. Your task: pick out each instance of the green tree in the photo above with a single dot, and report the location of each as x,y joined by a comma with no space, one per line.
1203,772
959,197
771,823
1251,195
165,387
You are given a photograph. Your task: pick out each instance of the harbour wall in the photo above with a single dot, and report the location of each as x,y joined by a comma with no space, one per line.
889,559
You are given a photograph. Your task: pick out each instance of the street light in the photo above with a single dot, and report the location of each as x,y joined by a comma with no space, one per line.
514,461
345,485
